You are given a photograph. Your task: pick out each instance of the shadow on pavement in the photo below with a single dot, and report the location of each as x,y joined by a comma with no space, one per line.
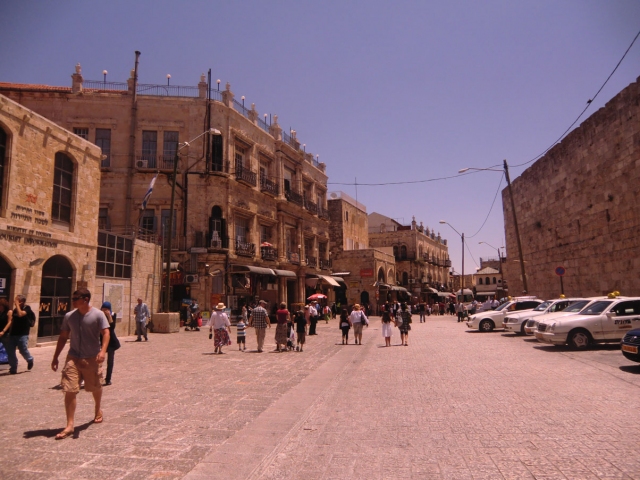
566,348
635,369
52,432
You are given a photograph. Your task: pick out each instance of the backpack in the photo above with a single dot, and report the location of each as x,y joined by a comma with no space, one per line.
31,317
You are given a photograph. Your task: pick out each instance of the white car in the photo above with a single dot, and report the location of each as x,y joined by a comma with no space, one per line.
488,321
515,322
601,321
531,325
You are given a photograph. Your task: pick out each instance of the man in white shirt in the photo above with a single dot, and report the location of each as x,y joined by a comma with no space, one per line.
313,319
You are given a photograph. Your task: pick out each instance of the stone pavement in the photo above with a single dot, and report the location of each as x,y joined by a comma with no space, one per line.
454,404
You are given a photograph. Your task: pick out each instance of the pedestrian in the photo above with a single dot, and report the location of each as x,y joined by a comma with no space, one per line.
301,325
245,315
259,320
387,329
405,314
460,311
421,310
428,310
241,330
6,315
345,325
313,318
326,312
452,308
334,310
495,303
282,332
358,320
220,326
22,319
114,343
142,314
83,327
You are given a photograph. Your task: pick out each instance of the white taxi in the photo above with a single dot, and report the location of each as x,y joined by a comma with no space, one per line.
602,321
491,319
515,322
531,325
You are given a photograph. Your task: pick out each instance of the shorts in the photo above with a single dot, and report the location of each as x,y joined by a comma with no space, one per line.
77,369
301,336
242,339
357,328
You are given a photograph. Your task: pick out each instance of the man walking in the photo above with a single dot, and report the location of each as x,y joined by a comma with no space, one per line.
313,319
259,320
83,326
142,314
22,320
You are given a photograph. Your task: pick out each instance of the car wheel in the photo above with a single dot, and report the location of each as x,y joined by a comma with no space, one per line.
579,340
522,332
486,326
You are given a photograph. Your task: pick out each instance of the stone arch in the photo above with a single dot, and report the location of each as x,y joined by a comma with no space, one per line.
381,276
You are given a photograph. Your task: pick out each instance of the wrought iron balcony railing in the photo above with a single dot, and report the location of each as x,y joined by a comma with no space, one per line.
246,175
245,249
268,186
325,264
311,207
322,213
269,253
311,261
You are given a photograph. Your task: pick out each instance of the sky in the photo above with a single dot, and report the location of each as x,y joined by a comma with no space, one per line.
385,92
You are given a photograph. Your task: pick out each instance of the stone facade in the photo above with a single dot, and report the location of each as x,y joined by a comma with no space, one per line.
349,227
422,257
49,203
579,207
249,197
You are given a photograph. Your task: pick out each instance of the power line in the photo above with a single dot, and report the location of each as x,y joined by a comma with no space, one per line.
490,209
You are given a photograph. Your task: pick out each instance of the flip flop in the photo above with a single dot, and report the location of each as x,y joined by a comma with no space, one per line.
98,418
64,434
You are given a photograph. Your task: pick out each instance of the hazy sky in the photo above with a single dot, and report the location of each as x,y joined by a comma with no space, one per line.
382,91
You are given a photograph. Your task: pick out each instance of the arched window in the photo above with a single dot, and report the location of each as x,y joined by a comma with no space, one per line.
494,280
479,280
381,275
395,251
62,190
217,229
3,162
403,252
487,281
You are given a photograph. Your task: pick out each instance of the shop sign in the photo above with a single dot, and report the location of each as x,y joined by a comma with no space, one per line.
366,272
354,284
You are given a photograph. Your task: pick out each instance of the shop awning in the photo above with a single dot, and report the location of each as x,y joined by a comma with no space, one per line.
484,294
252,269
338,279
330,280
285,273
174,265
341,274
432,290
445,294
395,288
467,291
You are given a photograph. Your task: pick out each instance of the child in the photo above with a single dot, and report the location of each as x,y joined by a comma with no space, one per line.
241,326
301,325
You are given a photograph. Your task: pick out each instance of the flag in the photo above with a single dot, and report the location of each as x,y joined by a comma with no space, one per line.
148,194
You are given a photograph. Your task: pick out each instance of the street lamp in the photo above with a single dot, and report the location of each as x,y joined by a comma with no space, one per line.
167,283
515,219
168,78
104,76
462,237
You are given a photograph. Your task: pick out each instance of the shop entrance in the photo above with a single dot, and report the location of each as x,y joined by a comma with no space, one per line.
5,280
55,296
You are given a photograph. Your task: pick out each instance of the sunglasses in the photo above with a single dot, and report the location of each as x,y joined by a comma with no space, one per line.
75,299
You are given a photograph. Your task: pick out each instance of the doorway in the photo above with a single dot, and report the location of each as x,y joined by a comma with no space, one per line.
55,296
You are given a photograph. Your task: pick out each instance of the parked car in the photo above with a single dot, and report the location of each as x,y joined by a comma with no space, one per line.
489,320
631,344
515,322
601,321
531,325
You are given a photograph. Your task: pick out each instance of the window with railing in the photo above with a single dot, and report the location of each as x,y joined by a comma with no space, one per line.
103,140
169,149
148,221
268,253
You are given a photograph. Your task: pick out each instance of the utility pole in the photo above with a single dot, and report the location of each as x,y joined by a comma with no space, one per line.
515,224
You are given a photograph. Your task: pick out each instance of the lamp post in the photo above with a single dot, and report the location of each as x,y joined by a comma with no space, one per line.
169,232
515,219
168,78
462,237
104,76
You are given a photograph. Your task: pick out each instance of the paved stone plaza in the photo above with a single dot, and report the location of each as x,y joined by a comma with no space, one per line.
454,404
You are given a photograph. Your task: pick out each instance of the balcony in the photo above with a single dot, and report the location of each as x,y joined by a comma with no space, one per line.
294,197
311,207
269,253
154,162
325,264
311,262
447,263
293,258
245,249
267,186
322,213
218,243
245,175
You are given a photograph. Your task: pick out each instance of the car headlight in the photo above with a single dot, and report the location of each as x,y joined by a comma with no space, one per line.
551,328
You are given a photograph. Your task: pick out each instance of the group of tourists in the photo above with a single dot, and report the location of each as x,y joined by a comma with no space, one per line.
400,316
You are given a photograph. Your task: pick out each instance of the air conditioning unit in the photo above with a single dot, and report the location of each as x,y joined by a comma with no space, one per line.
142,163
191,278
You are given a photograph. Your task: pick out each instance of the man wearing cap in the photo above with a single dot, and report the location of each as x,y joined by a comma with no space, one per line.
83,326
142,315
259,320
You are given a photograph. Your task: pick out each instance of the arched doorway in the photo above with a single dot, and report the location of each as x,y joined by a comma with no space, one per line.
55,296
5,280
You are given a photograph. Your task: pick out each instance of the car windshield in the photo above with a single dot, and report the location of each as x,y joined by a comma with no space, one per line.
576,307
504,305
596,308
542,307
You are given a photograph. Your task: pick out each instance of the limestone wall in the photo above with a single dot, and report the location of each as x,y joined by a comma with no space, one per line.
579,207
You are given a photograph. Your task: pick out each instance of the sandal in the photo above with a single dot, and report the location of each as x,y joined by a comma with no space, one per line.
64,434
98,418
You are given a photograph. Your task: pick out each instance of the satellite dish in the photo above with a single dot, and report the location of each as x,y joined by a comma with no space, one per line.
334,195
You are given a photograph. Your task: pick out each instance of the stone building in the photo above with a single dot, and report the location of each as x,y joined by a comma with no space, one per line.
579,207
421,255
250,217
50,244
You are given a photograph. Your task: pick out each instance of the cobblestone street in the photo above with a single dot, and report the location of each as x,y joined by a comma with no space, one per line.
454,404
